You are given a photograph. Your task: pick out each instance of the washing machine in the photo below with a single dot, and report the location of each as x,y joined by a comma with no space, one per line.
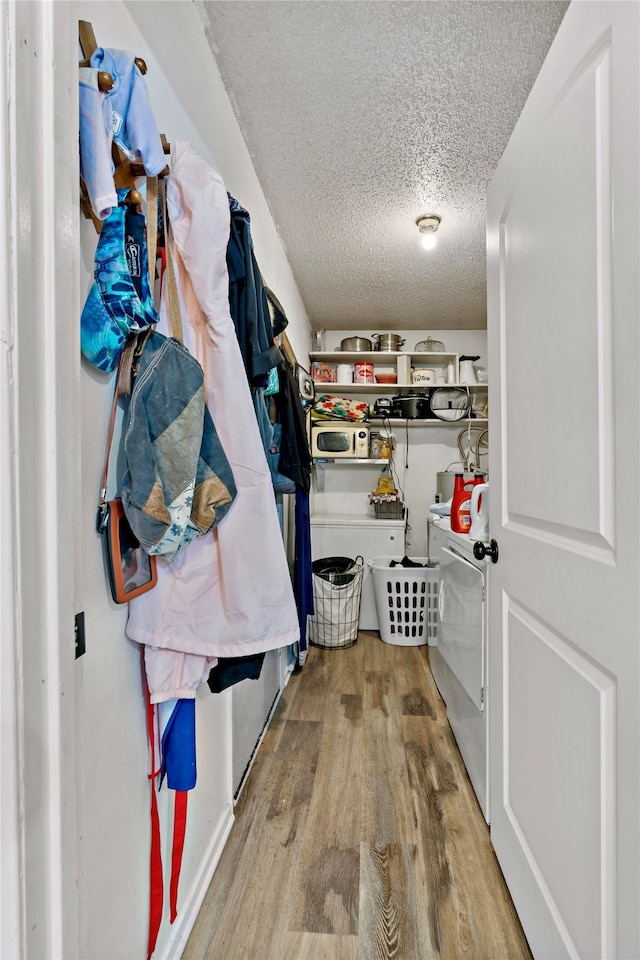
458,653
350,535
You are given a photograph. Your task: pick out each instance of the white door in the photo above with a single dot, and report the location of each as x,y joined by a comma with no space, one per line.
564,637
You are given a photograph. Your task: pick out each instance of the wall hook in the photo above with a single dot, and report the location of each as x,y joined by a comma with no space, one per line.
105,81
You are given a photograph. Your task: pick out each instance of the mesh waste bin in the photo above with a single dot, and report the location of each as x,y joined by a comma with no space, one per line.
337,588
406,600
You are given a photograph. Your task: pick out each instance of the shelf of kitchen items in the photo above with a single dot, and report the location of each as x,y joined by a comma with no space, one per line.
427,422
349,461
402,363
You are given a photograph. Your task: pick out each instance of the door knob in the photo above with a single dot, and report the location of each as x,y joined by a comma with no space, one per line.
480,550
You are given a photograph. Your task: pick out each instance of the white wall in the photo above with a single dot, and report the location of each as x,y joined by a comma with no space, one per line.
190,104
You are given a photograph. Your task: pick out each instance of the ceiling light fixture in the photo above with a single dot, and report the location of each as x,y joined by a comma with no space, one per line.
427,225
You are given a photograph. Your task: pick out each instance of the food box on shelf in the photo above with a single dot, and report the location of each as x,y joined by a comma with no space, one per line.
323,372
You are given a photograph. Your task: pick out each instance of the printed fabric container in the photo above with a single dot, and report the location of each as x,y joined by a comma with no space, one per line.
339,408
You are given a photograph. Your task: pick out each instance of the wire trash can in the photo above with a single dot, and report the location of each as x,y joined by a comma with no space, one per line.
406,600
337,589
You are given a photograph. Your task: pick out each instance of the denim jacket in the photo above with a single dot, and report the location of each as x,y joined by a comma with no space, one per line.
177,481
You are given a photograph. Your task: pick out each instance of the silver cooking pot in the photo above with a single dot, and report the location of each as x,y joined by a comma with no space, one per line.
356,344
387,341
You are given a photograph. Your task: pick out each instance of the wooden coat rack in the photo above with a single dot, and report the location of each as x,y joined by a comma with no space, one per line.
126,171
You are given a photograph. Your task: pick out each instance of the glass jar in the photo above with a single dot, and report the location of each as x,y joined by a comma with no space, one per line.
385,448
375,443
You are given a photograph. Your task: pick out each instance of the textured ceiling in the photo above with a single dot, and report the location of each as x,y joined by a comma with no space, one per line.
361,115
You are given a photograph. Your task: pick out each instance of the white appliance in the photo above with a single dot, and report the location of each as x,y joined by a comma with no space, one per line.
458,659
350,535
334,439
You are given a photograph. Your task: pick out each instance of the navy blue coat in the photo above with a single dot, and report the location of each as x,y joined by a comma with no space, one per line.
248,301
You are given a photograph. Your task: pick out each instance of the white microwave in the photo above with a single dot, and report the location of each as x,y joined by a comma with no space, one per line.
332,439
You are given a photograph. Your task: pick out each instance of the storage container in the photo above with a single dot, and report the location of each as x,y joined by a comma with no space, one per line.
389,510
337,589
406,600
363,372
322,372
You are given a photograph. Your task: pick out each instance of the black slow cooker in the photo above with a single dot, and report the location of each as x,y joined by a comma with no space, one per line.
412,406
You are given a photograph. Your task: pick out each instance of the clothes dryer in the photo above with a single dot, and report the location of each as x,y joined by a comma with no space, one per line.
458,659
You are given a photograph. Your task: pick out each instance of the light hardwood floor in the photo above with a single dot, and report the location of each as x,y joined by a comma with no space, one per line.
358,835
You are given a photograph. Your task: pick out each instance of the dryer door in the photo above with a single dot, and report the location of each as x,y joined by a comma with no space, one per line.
461,625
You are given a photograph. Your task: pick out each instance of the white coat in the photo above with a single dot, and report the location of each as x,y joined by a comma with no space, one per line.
229,592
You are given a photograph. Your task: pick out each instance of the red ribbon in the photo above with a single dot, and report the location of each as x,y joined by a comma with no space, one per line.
156,885
179,828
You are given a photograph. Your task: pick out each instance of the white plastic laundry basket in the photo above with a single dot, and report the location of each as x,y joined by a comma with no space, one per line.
406,600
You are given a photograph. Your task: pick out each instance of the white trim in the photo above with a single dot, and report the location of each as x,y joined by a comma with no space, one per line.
40,462
186,919
12,726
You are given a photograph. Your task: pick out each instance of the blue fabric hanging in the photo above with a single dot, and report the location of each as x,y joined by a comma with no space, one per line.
177,719
302,573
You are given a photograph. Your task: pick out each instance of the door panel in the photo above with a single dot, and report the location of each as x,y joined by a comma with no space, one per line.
548,376
559,348
564,611
560,807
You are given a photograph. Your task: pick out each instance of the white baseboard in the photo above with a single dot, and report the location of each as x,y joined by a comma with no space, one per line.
190,909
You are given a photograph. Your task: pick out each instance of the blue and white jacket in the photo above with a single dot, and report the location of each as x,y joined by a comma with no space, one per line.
177,481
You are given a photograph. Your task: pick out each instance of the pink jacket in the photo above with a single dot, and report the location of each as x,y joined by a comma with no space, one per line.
229,593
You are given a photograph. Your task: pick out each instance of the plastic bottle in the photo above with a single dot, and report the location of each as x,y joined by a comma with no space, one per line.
461,501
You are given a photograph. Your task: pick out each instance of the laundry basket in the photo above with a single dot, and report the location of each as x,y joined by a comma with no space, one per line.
337,589
406,600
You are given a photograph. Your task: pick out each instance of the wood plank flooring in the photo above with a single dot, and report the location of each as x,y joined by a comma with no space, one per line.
357,834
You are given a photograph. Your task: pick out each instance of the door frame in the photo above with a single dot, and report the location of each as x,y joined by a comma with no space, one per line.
40,475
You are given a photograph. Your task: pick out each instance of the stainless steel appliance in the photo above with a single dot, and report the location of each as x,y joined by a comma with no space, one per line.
444,485
387,342
356,344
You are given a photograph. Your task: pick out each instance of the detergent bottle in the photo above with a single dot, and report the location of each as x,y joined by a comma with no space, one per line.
479,529
461,501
